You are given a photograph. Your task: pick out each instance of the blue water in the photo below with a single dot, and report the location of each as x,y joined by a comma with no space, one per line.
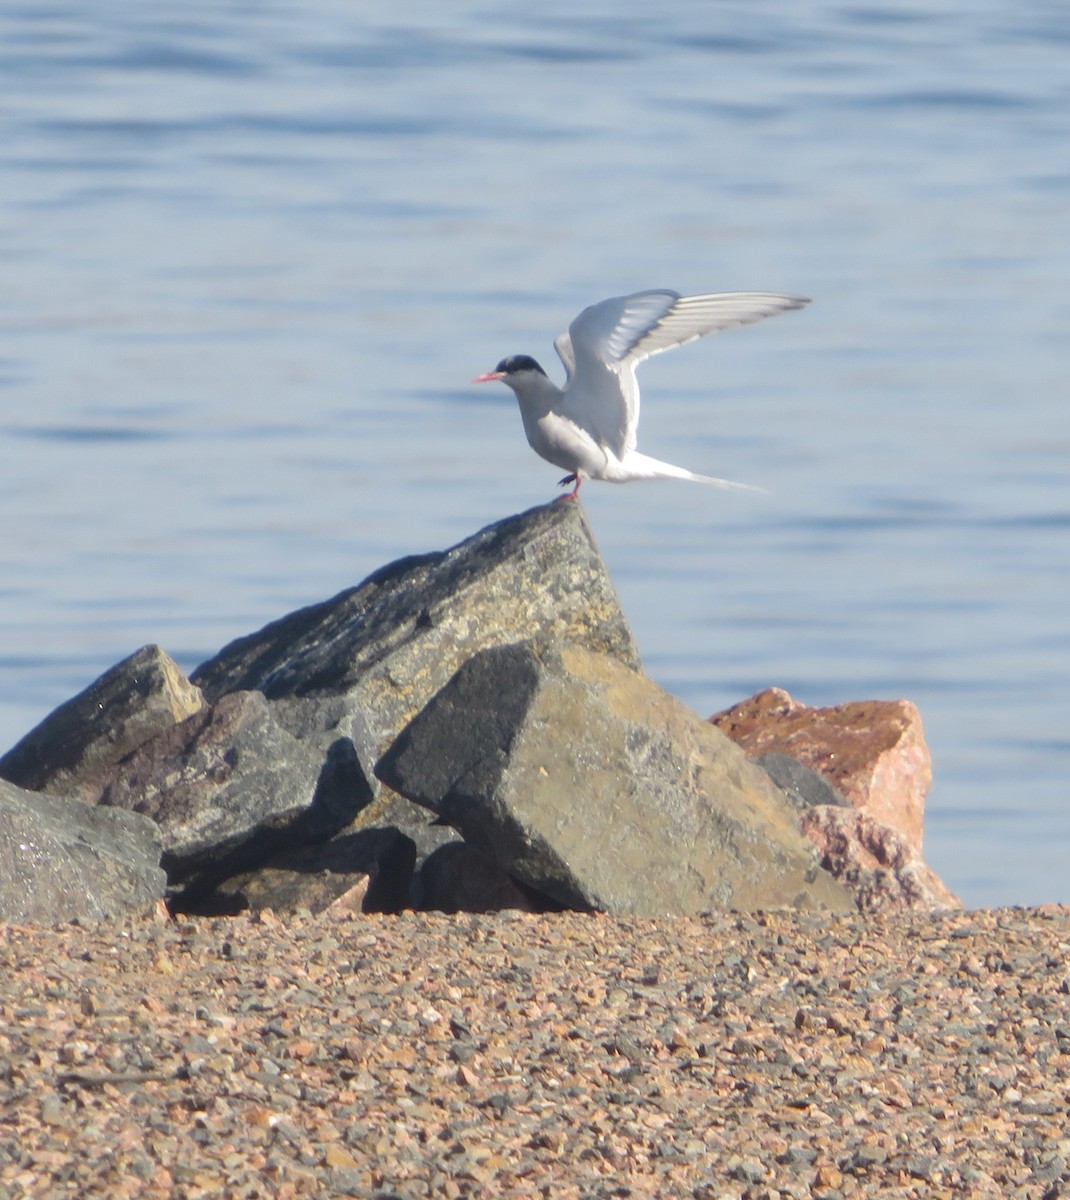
251,254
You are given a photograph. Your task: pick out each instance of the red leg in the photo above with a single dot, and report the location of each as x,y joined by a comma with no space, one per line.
577,480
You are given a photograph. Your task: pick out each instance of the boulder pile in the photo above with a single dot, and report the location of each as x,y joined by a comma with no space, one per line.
467,730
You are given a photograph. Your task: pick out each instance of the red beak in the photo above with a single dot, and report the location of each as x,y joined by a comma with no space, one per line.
489,377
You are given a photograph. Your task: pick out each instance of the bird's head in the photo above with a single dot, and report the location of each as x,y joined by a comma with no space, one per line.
512,370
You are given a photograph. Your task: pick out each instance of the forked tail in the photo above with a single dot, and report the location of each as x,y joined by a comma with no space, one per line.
641,466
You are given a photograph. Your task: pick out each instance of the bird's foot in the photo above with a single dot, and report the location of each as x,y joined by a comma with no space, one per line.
565,482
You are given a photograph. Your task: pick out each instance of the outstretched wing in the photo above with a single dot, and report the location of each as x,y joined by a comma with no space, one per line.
563,346
607,341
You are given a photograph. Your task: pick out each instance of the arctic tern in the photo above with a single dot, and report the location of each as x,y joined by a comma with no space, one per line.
588,427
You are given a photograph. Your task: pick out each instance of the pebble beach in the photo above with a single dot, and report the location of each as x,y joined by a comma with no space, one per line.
514,1055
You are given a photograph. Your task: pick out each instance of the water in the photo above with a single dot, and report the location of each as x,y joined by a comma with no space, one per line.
252,253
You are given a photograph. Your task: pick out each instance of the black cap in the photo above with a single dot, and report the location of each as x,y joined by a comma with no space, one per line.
516,363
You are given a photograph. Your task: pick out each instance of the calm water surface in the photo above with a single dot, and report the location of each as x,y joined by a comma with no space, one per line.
252,254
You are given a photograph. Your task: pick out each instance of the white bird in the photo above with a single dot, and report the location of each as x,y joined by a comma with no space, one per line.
588,428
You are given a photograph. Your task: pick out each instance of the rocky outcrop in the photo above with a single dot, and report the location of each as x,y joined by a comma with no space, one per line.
872,753
61,859
128,705
280,761
585,781
491,690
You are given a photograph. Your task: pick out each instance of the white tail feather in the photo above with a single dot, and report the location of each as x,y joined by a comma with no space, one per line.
641,466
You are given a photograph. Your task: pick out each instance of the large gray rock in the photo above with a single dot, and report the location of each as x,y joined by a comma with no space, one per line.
60,859
129,704
587,782
230,786
390,643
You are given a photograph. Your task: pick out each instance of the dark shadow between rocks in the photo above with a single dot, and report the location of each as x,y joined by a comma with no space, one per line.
384,856
342,791
458,878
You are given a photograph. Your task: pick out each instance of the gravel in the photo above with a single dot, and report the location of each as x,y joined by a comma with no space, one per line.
515,1055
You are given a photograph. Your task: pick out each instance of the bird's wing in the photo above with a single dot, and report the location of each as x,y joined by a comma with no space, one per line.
693,317
563,346
599,396
609,340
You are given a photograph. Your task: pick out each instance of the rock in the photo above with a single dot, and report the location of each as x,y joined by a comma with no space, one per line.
802,786
390,643
256,776
322,720
365,871
874,863
129,704
61,860
391,811
509,666
457,878
370,864
230,786
872,751
586,782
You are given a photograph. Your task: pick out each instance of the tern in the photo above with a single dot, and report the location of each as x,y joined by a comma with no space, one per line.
588,427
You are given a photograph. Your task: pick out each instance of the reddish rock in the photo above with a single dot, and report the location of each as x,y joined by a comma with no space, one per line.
874,863
873,751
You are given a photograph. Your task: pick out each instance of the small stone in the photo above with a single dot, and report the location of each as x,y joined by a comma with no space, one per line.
828,1176
921,1166
339,1157
748,1170
53,1111
865,1158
